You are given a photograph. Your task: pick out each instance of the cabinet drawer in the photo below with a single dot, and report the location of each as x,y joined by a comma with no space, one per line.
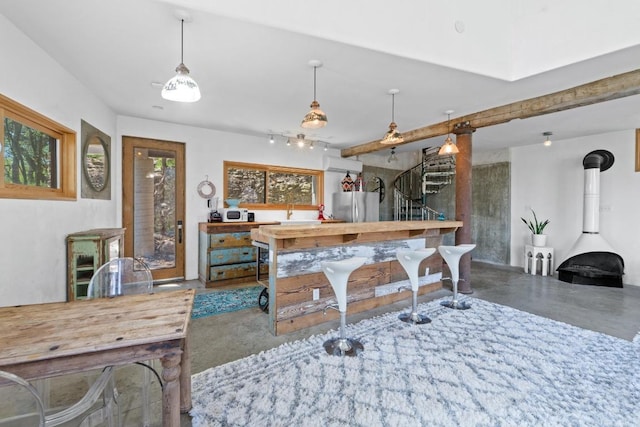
229,240
232,255
223,272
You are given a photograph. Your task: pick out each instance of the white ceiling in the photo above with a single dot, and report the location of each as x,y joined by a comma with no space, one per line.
250,59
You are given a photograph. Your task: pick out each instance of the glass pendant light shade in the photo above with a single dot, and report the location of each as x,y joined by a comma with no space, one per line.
448,147
316,118
392,137
181,87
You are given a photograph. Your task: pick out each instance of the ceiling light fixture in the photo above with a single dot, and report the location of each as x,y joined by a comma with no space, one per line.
271,139
392,157
300,139
316,118
326,146
181,88
393,136
547,142
448,147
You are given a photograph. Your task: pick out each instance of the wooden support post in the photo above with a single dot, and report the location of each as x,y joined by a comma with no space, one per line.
463,133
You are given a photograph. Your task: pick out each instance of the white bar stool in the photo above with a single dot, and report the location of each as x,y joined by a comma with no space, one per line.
338,273
410,260
452,255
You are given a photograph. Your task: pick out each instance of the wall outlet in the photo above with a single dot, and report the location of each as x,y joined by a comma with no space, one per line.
316,294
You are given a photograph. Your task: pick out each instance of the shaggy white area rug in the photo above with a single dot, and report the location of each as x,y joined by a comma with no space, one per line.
487,366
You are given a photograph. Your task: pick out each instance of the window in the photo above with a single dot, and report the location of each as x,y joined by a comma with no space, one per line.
273,187
37,155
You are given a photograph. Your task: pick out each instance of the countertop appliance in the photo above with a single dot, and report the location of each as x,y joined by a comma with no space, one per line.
235,215
356,206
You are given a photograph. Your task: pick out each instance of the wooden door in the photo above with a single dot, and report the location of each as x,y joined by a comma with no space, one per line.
153,200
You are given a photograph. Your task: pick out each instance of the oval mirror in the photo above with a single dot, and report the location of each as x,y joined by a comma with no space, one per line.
95,162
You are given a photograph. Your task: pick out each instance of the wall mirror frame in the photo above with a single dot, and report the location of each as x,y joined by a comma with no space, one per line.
259,186
95,163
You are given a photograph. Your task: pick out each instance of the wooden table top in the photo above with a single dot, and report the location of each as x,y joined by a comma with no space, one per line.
53,330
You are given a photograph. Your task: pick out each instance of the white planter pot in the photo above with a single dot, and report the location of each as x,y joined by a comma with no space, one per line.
539,240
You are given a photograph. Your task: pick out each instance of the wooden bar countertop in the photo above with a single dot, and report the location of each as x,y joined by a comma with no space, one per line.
350,232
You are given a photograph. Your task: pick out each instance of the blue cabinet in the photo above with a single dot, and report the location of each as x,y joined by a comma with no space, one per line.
226,255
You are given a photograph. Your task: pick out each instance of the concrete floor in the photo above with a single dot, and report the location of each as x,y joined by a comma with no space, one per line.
222,338
226,337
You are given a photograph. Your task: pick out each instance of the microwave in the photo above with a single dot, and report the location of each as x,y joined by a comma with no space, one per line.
235,215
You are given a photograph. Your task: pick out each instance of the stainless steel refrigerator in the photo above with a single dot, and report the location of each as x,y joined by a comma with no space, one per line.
356,206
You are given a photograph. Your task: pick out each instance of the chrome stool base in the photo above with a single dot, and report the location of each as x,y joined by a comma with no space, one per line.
343,347
415,318
456,305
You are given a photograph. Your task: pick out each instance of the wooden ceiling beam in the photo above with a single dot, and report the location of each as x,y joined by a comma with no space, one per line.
607,89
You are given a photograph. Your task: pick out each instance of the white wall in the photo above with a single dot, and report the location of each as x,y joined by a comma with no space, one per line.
551,181
205,152
32,232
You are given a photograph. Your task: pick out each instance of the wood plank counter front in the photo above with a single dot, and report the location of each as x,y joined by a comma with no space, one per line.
296,251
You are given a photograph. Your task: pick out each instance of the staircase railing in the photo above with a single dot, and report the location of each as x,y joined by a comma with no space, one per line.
411,186
405,209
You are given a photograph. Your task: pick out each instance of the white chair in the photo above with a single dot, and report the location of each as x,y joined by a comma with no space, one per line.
127,276
410,260
452,255
338,273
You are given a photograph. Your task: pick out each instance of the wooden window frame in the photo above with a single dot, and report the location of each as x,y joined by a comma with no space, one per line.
282,169
65,153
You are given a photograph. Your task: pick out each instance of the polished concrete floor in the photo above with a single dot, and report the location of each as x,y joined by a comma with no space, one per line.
219,339
613,311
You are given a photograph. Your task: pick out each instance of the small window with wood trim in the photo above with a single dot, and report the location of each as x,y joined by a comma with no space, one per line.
37,155
273,187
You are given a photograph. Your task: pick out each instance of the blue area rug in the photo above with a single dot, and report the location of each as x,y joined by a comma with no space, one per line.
217,302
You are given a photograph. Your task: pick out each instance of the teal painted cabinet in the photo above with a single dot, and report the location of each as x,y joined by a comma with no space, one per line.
225,254
86,252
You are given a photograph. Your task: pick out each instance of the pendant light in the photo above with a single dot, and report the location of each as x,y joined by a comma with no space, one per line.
392,136
547,142
448,147
392,157
181,88
316,118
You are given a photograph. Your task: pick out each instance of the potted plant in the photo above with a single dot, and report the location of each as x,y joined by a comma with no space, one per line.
538,238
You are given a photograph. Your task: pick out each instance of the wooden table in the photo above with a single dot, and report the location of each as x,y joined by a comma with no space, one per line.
46,340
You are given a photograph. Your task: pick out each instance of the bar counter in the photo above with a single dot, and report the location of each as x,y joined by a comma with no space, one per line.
296,251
